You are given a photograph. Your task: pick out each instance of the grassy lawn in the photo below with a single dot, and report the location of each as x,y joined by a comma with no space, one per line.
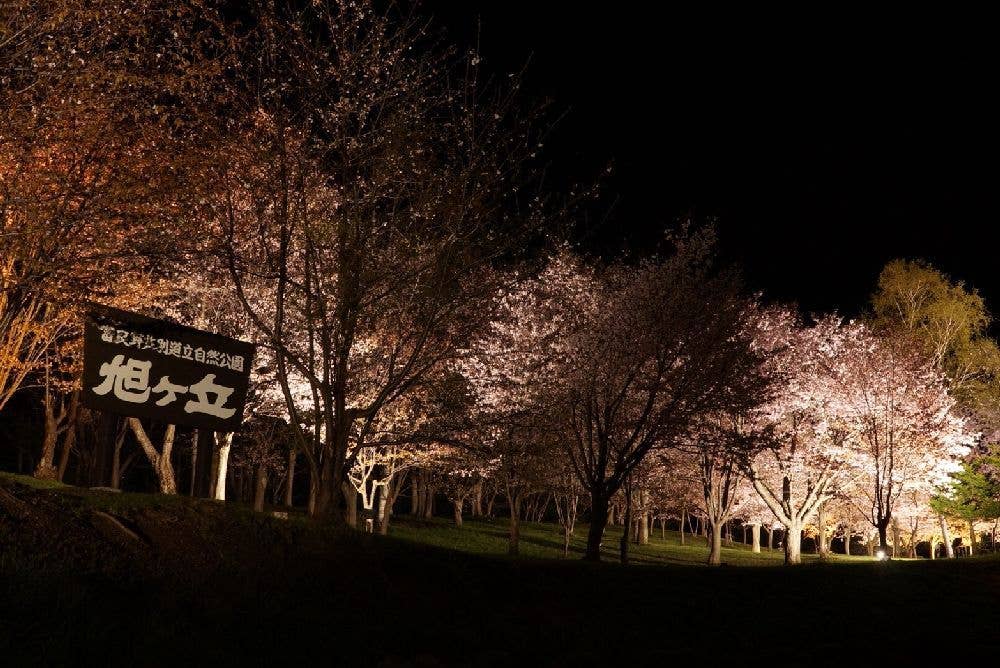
213,583
29,481
545,541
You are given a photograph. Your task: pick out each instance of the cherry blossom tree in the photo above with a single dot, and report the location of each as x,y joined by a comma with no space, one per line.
716,448
513,370
362,192
90,125
906,435
668,345
400,441
566,492
914,516
677,487
755,513
260,455
800,462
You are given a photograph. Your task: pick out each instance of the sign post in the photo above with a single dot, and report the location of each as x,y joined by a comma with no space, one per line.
147,368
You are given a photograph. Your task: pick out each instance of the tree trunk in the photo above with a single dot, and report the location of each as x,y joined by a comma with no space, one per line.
973,545
213,474
626,526
390,492
457,504
259,488
644,528
385,510
897,542
793,544
160,460
324,501
416,494
883,540
351,505
949,550
165,468
381,514
715,546
69,441
313,486
46,470
428,500
206,465
290,478
599,508
116,458
194,463
223,442
755,531
822,547
542,508
477,499
529,507
566,512
683,516
514,538
847,541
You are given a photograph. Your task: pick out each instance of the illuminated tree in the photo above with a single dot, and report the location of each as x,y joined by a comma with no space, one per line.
914,516
514,374
755,514
716,447
89,135
260,454
906,435
361,195
28,325
61,407
668,346
401,440
677,487
798,465
949,321
567,492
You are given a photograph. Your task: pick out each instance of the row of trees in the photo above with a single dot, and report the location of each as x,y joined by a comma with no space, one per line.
332,183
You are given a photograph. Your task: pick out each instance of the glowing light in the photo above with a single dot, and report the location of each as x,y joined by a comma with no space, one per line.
881,555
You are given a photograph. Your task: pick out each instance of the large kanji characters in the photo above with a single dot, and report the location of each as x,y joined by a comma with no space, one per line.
128,380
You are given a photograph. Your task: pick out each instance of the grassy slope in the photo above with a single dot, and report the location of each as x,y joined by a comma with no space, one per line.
213,583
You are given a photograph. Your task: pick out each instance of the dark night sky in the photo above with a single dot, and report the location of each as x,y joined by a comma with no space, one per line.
824,145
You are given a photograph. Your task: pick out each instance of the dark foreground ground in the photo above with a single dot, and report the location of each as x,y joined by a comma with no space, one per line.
105,579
